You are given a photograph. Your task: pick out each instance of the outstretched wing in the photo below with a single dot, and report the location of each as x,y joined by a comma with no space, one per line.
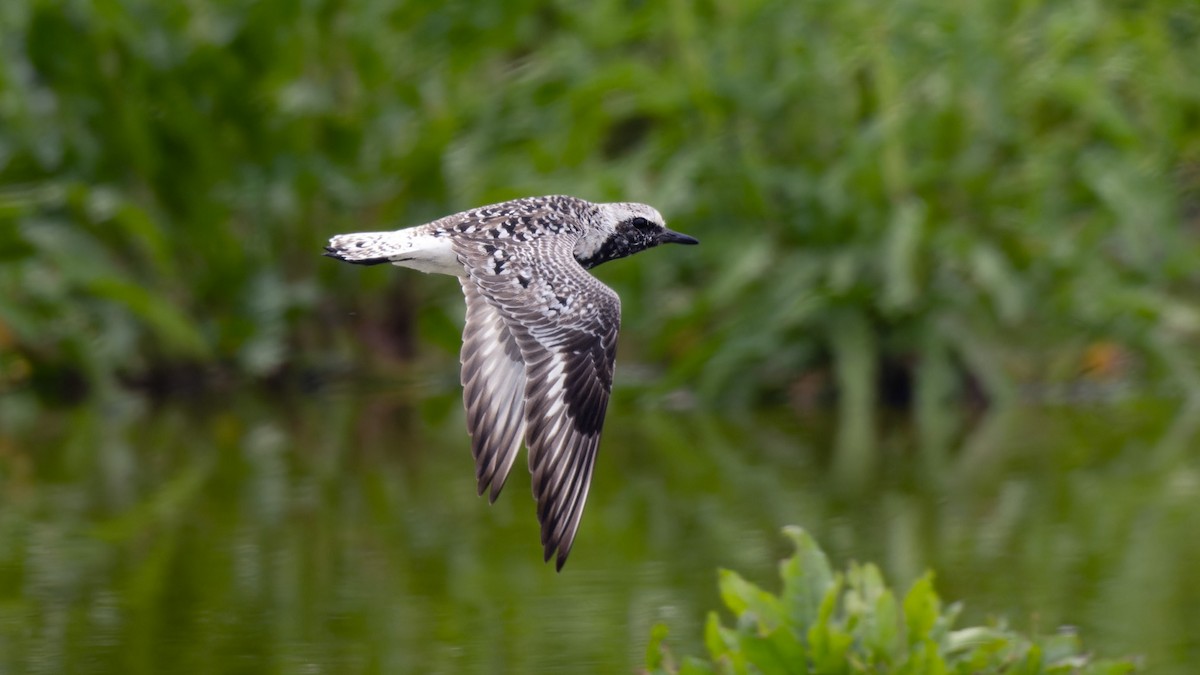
565,323
493,378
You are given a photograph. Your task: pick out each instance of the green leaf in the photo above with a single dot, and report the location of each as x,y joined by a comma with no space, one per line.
174,328
807,577
921,607
883,629
1032,663
745,599
655,648
715,637
901,246
969,639
762,652
828,642
830,647
924,659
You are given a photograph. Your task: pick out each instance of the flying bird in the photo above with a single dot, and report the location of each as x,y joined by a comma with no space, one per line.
540,338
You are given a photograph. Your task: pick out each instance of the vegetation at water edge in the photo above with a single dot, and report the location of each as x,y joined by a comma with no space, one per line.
975,191
852,622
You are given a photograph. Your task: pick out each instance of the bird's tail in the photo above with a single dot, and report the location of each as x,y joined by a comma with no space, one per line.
368,248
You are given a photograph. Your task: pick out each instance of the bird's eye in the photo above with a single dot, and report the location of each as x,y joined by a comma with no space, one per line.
640,223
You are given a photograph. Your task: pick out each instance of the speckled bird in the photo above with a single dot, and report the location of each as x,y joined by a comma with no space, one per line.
540,339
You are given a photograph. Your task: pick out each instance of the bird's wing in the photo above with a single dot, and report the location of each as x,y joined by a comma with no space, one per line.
565,323
493,378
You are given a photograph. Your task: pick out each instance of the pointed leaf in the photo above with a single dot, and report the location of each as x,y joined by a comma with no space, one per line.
807,577
921,609
748,601
655,648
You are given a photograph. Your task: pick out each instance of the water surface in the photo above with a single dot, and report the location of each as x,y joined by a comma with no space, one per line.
341,533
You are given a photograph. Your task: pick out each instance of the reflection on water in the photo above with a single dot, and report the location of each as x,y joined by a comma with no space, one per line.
341,534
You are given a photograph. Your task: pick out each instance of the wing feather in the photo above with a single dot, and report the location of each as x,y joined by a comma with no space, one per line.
565,323
493,378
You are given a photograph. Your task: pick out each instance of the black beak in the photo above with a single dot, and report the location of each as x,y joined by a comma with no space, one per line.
669,237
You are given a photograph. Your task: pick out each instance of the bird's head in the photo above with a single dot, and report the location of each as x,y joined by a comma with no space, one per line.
622,229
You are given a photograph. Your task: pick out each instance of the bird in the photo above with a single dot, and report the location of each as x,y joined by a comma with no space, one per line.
540,337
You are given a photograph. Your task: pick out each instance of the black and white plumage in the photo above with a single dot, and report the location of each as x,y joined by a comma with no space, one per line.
541,333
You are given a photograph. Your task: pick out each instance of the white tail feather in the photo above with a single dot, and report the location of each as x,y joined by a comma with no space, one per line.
414,247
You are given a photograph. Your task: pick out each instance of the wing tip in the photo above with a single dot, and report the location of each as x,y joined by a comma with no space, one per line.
481,486
560,559
489,477
557,546
496,486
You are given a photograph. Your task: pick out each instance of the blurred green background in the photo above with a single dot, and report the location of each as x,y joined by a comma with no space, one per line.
935,236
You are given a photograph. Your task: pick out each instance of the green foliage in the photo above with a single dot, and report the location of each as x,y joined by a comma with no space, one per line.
959,185
826,622
966,180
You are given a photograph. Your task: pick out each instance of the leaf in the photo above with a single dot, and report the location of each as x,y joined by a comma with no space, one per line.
807,578
924,659
745,599
171,325
921,607
830,647
147,234
787,644
969,639
715,637
762,652
828,642
883,629
655,648
995,275
1032,663
901,247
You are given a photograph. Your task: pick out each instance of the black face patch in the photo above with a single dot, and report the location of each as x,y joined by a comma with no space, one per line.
632,236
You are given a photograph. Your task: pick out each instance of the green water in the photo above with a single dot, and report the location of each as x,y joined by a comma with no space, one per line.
340,533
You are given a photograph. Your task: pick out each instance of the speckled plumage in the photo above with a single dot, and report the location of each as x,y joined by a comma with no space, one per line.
541,333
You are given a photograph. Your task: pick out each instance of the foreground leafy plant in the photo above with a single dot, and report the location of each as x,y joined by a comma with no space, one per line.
852,622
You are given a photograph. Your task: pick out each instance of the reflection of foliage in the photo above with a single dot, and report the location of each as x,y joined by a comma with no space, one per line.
930,181
823,622
140,539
